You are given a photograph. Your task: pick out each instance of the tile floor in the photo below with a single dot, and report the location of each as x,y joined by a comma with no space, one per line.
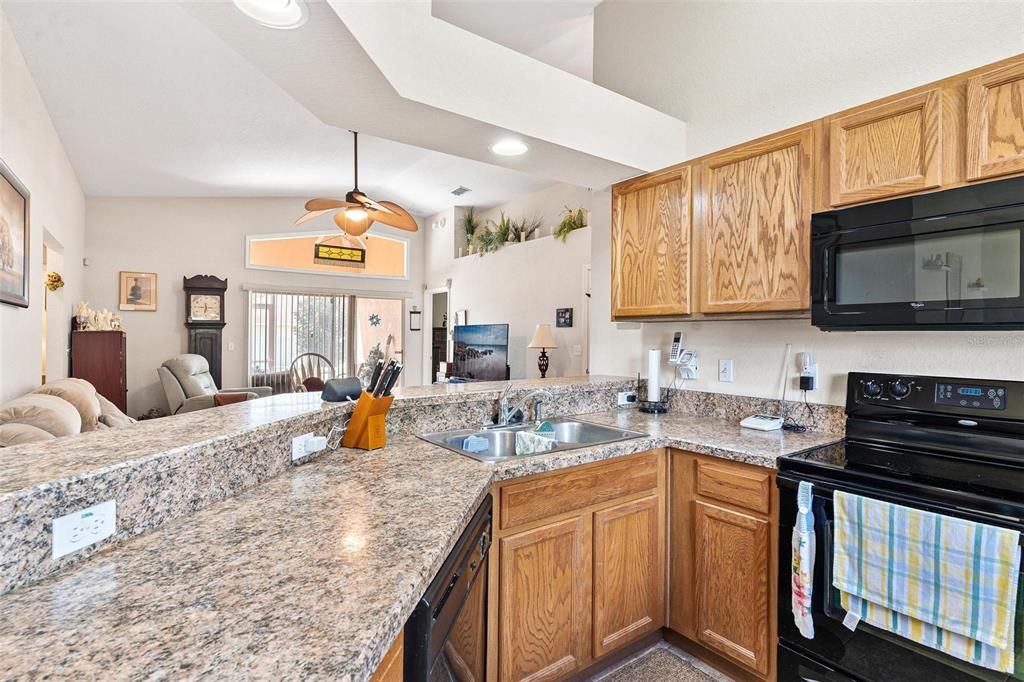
661,663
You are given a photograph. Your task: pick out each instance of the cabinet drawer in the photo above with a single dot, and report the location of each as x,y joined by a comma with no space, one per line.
555,494
743,487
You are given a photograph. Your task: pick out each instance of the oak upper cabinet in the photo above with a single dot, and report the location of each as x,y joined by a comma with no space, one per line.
544,605
886,150
722,561
731,553
629,585
651,245
995,122
754,229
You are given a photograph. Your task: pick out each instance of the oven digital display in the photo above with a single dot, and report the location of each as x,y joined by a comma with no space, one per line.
974,397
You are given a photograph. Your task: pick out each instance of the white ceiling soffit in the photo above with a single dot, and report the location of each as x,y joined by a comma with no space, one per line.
556,32
149,102
430,61
436,86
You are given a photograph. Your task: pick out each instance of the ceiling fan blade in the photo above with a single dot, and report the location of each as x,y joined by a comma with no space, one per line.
312,214
351,226
381,206
395,216
325,204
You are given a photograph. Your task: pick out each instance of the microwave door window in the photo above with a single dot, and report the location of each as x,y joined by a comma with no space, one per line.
948,268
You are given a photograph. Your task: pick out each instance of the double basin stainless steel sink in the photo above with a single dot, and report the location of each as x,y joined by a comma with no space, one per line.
501,440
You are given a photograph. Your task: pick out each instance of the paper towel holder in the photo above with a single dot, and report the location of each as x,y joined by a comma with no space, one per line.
652,406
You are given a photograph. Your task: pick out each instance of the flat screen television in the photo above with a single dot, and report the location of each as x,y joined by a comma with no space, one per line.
480,352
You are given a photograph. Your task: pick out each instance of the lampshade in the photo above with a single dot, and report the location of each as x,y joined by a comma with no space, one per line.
542,337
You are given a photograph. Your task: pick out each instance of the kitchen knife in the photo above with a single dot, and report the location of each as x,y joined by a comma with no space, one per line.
375,377
378,390
393,379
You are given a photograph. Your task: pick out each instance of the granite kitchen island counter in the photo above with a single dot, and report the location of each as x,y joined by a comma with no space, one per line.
310,574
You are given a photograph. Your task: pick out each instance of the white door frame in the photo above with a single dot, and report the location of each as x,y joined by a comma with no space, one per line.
429,370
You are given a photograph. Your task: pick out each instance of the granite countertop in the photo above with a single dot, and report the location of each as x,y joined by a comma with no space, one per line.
312,573
35,464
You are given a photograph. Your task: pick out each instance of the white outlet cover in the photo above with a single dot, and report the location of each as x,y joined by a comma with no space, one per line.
623,398
299,446
84,527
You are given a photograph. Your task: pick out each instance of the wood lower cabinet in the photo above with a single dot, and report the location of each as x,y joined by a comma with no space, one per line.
651,245
392,666
755,226
580,556
629,587
886,150
995,122
544,601
722,560
731,559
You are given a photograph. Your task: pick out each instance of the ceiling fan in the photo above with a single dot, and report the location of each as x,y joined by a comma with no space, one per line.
356,212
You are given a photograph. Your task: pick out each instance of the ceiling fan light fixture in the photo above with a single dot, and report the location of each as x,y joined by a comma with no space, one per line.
357,214
510,147
279,14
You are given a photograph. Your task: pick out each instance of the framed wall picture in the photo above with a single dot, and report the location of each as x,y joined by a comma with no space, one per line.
14,239
138,291
563,317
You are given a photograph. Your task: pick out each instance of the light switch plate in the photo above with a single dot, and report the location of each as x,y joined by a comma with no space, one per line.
84,527
725,371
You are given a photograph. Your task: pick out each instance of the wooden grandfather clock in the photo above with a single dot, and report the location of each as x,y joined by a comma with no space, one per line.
204,319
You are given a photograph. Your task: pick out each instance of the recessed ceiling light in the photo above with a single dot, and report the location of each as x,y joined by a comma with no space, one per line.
282,14
510,147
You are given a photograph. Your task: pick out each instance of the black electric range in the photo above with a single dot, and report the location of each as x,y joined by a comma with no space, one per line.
950,446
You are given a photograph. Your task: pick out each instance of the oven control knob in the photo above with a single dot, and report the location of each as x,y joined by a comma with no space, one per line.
872,388
899,389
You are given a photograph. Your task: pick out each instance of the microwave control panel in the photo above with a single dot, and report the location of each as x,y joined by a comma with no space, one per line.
975,397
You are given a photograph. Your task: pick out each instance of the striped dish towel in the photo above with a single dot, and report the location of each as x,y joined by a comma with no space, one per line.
941,581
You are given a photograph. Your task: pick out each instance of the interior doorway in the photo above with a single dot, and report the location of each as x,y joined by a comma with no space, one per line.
56,318
436,304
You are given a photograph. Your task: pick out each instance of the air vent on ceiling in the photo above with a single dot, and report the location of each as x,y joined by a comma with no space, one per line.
460,190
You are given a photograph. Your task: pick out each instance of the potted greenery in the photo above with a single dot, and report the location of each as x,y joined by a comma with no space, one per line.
503,229
571,221
523,229
470,224
486,241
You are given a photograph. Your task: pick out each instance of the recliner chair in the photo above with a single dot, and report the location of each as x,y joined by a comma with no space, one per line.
189,385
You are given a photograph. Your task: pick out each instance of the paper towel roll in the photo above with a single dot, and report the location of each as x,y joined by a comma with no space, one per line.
653,375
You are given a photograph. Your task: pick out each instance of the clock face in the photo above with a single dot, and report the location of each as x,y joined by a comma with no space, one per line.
204,307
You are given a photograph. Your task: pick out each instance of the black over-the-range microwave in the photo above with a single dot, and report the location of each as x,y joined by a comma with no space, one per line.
949,260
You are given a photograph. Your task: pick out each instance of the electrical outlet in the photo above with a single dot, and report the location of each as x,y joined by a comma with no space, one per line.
231,346
577,350
82,528
626,398
725,371
307,444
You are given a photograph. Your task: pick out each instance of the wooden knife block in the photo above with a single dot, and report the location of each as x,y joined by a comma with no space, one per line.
367,426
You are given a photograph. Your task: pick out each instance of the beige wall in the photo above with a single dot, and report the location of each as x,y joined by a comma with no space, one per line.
30,146
184,237
738,70
521,284
734,71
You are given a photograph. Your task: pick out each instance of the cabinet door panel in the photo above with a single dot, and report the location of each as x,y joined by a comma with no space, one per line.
651,246
891,149
733,579
629,573
995,123
544,602
755,232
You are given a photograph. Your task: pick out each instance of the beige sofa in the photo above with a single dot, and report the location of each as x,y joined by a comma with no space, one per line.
64,407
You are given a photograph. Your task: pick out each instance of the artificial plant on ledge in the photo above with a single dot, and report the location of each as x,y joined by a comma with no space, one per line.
572,220
470,224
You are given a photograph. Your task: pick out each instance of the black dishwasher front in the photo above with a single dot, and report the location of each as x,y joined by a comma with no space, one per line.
446,635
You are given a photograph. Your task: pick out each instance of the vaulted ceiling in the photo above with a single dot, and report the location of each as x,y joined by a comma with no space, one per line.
164,98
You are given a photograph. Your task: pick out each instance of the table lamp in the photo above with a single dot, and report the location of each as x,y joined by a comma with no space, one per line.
543,339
